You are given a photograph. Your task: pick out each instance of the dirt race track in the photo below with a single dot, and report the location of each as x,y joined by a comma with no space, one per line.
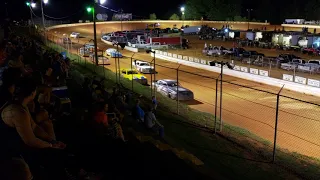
298,128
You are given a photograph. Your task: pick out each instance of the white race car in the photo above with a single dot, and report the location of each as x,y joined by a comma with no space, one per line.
113,53
75,35
143,67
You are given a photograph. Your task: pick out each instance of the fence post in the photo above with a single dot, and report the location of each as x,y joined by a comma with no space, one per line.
216,107
132,74
119,74
221,75
178,89
276,127
115,63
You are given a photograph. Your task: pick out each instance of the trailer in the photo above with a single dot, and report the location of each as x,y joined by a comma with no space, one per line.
191,30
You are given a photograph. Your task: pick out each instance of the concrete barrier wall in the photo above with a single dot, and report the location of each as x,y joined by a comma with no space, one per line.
132,25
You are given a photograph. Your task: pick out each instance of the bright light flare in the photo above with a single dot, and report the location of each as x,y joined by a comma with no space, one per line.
102,1
89,9
45,1
33,5
182,9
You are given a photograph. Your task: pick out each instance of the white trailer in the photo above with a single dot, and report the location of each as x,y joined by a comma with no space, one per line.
191,30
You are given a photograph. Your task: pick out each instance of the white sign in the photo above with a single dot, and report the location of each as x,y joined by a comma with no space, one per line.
185,58
179,56
157,51
191,59
287,77
237,68
174,55
169,54
300,80
218,65
313,82
165,53
244,69
263,73
160,52
196,60
203,61
254,71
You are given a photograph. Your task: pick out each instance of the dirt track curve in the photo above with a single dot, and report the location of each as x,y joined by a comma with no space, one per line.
299,126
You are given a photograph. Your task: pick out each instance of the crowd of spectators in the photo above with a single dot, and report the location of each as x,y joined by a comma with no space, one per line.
28,77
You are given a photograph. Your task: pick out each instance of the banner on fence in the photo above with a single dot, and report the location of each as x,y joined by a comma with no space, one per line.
157,51
287,77
165,53
191,59
179,56
197,60
237,68
244,69
313,82
254,71
185,58
174,55
203,61
263,73
300,80
161,52
169,54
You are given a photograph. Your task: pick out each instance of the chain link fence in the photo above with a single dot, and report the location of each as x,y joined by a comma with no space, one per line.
260,119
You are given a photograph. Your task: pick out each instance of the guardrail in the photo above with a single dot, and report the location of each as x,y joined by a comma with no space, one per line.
298,84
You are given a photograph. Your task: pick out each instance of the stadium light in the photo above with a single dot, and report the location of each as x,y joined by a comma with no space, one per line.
182,10
103,1
33,5
27,3
89,9
45,1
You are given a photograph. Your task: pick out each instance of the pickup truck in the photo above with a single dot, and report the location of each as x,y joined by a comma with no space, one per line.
143,67
293,64
313,66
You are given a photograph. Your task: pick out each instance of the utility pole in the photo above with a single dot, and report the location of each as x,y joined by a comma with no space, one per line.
249,11
95,34
121,11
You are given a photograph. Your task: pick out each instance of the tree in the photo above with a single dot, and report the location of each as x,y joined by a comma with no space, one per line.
174,17
153,16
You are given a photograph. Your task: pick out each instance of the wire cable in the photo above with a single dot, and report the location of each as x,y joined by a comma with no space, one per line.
33,13
62,17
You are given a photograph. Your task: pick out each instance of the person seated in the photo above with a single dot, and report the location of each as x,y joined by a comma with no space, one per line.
107,122
9,80
138,112
15,169
151,122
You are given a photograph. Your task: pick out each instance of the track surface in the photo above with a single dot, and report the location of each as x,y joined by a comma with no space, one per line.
298,127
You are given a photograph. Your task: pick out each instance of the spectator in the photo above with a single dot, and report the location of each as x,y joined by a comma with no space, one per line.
138,113
110,127
15,169
151,121
154,103
9,80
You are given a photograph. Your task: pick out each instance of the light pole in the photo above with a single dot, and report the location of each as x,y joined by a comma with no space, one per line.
182,9
89,9
31,5
249,11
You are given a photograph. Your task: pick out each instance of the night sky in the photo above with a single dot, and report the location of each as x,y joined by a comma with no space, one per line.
60,8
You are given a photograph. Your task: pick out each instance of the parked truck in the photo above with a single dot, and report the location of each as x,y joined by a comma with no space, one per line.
191,30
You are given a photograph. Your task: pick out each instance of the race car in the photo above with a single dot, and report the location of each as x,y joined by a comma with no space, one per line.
168,87
113,53
143,67
133,74
75,35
